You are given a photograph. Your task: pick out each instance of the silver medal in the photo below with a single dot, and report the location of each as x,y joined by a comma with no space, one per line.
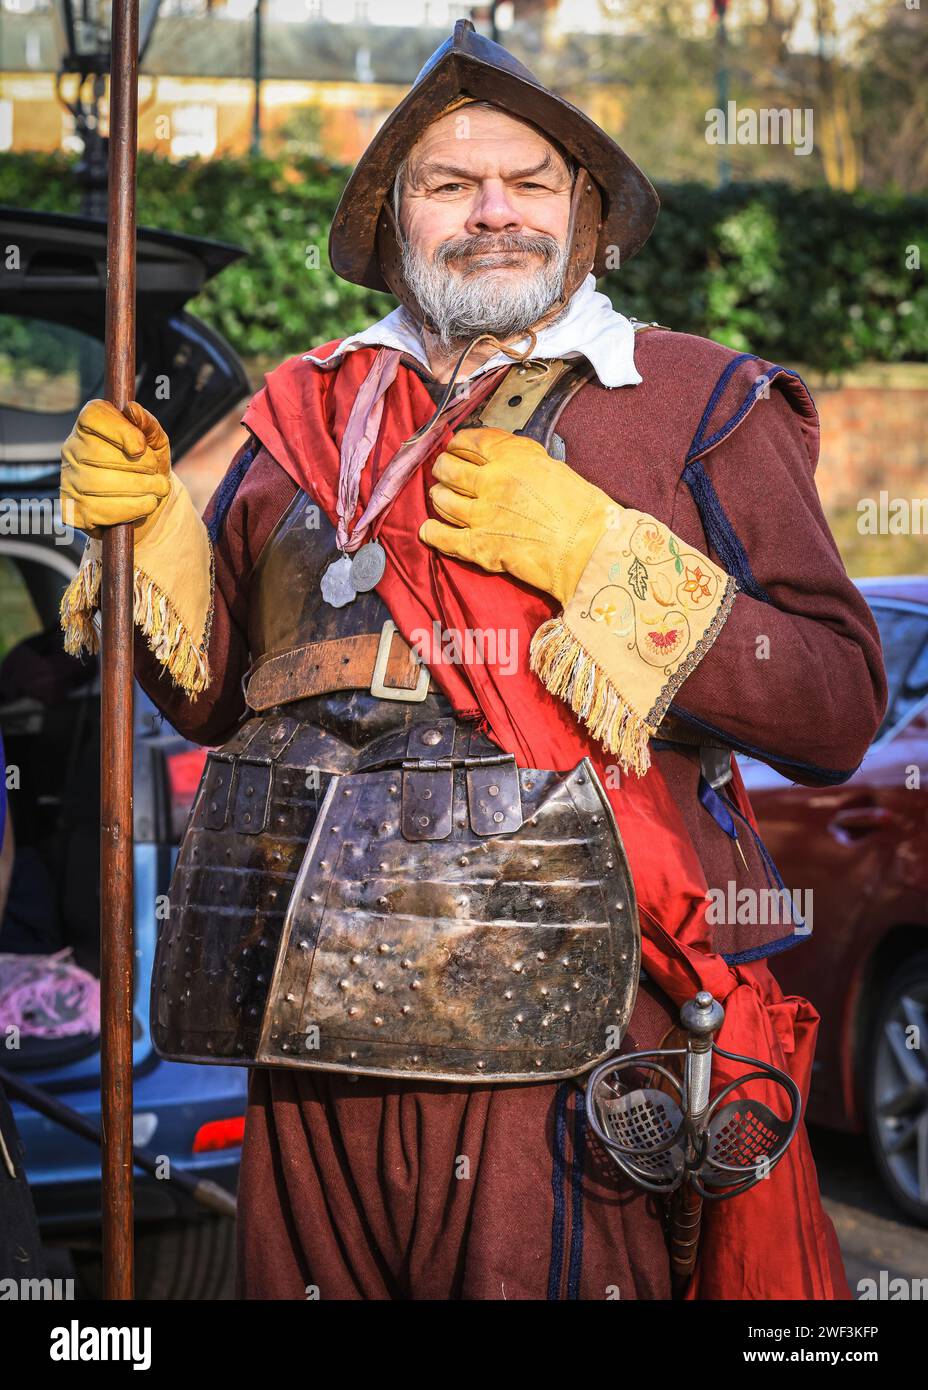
337,588
367,566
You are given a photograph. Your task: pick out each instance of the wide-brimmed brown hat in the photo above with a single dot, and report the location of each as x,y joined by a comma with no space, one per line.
619,220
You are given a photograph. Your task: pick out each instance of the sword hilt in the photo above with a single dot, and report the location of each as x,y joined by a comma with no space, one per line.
675,1138
702,1017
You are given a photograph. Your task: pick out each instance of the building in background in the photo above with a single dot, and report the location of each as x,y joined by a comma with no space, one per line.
331,70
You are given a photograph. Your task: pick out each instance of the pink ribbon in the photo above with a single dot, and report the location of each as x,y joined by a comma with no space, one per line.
360,436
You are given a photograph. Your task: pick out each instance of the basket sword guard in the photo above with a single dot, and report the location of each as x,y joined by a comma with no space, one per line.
680,1140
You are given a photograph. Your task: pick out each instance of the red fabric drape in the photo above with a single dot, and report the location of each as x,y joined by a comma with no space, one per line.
776,1241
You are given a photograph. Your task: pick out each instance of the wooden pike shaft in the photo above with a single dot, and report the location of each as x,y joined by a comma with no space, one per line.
116,665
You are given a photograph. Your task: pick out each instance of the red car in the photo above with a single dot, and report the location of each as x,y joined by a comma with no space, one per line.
862,849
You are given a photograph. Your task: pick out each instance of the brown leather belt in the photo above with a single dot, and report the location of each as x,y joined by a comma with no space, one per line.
382,662
385,664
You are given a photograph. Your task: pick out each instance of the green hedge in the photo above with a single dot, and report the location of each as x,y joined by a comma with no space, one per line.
802,276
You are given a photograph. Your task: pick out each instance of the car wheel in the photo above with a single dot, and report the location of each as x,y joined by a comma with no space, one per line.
897,1086
182,1260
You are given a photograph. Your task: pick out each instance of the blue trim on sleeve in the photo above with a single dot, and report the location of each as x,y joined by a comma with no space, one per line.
225,493
829,777
722,536
785,943
699,442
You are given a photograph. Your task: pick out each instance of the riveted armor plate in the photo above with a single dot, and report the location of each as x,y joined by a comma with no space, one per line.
494,956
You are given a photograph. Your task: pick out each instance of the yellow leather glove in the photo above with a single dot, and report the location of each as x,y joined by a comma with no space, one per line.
114,469
514,509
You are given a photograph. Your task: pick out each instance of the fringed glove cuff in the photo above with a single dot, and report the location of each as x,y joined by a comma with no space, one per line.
172,592
645,611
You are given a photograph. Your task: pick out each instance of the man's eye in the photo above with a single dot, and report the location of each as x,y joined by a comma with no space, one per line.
531,185
447,187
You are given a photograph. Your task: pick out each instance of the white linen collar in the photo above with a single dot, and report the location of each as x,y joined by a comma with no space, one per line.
591,328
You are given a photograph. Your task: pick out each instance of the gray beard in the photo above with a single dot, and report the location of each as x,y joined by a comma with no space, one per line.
462,304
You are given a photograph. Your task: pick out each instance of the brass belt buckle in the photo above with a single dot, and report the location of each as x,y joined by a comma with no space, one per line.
394,692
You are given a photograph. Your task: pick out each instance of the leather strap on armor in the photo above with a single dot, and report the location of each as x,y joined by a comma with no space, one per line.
342,663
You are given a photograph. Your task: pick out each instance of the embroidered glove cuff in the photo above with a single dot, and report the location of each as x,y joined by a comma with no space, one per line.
172,592
643,615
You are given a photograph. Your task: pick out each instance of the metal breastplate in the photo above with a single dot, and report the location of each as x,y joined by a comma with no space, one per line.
370,885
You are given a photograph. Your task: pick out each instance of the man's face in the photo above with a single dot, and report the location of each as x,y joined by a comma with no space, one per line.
484,215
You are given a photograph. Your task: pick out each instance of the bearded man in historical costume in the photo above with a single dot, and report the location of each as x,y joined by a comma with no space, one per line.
473,626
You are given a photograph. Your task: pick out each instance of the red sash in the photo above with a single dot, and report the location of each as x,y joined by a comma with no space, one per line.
774,1242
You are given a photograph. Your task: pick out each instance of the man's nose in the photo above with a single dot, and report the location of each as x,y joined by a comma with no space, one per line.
492,211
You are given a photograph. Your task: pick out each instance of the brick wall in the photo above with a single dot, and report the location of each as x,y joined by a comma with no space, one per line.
874,435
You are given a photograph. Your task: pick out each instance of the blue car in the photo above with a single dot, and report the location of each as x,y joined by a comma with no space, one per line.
51,361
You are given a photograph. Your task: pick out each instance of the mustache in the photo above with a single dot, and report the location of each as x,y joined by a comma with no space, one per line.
492,243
